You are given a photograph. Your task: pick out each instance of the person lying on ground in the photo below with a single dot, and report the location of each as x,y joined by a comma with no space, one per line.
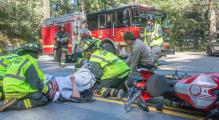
76,87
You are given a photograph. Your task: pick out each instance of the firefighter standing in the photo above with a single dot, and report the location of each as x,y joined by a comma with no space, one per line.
153,37
5,61
24,83
108,68
61,38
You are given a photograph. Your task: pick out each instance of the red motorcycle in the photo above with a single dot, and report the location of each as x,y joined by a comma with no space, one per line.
201,91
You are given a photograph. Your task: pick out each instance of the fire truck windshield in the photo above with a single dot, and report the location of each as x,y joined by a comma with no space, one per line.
141,17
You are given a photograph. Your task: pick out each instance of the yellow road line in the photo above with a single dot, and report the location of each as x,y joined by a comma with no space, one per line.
169,112
186,111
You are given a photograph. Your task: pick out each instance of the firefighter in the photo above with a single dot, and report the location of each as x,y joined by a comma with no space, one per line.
85,36
61,38
153,36
24,83
141,55
5,61
108,68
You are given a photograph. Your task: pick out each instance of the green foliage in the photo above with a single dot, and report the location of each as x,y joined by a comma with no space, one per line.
19,20
60,7
189,22
95,5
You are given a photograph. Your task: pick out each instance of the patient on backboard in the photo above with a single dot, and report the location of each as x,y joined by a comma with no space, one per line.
76,87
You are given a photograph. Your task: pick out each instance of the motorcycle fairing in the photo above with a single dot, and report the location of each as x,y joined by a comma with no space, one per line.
197,90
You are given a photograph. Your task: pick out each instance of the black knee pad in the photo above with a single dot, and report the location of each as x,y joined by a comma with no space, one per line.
35,95
44,99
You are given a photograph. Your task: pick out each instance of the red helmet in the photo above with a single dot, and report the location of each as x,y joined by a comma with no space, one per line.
52,85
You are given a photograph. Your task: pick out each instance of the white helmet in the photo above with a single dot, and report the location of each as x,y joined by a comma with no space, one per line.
84,31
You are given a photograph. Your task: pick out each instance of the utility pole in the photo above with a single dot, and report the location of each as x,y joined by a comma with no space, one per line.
213,20
46,9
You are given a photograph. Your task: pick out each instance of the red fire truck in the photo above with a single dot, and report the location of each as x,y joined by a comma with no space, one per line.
108,26
72,23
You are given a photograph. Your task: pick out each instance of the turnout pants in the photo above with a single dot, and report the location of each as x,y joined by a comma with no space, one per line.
61,55
27,101
111,87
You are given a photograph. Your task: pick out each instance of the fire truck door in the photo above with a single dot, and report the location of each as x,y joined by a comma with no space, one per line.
75,33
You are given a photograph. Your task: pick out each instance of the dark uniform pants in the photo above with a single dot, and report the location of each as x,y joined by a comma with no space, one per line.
31,100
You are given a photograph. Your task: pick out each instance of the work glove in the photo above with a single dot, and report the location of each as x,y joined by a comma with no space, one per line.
75,57
62,40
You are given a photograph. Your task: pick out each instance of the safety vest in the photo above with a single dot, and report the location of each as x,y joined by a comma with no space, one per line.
84,44
15,81
111,65
4,62
156,39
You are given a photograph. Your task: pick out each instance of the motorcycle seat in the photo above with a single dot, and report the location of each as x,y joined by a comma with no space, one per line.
133,79
159,85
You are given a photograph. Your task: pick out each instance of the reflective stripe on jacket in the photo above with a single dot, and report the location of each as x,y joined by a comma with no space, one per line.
155,39
111,65
15,80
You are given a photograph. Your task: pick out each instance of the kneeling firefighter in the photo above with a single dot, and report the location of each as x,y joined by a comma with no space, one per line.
5,61
24,83
108,68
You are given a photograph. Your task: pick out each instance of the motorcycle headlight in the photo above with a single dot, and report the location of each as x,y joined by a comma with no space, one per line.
195,90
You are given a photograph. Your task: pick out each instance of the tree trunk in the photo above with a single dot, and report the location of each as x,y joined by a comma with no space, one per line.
84,6
213,20
134,1
46,9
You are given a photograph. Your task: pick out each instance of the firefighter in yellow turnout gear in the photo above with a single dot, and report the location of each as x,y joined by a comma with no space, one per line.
108,68
85,36
153,36
24,83
5,61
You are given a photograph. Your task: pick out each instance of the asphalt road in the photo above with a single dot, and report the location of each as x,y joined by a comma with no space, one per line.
102,110
191,62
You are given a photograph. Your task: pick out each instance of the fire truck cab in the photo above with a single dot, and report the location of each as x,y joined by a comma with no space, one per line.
106,25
